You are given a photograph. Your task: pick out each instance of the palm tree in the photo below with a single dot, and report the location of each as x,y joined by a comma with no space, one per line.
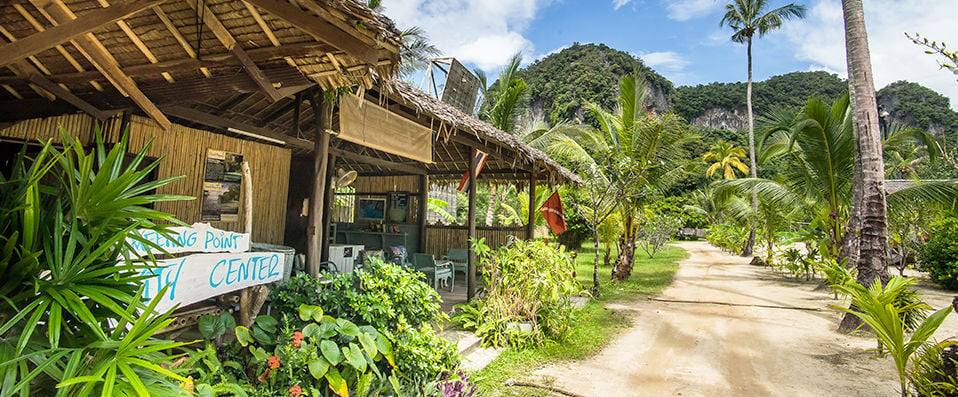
503,104
746,18
725,157
871,228
637,151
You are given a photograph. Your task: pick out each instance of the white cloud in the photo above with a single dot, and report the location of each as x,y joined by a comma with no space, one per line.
664,61
820,40
617,4
684,10
482,32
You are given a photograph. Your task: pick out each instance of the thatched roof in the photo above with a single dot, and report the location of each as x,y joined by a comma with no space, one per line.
453,121
175,49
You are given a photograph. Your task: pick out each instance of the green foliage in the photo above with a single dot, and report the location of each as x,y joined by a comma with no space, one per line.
285,297
400,304
528,285
655,231
880,308
681,209
577,228
73,319
212,327
836,273
917,106
562,83
788,91
328,354
939,257
935,372
726,236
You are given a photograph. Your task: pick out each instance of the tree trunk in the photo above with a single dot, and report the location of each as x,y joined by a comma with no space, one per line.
595,263
873,237
493,200
608,254
623,263
747,250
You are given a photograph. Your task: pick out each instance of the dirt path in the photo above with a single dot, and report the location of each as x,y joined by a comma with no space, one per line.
700,349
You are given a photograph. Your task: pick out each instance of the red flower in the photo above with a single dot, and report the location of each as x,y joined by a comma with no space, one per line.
295,391
298,336
297,343
273,362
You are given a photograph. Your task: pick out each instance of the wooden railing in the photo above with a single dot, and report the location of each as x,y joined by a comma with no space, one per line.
439,239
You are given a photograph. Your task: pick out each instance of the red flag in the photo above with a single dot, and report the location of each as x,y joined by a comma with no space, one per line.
480,162
552,212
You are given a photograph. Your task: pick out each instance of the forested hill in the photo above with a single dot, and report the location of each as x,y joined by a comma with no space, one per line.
562,83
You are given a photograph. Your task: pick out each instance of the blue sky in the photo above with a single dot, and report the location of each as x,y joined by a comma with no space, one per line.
682,39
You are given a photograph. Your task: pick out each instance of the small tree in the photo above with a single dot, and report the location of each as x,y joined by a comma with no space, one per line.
655,232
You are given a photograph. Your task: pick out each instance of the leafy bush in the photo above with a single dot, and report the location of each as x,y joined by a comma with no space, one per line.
526,297
727,236
400,304
655,232
680,208
286,297
939,257
936,370
328,353
73,319
885,312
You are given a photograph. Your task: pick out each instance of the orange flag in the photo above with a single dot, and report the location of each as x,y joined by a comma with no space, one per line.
552,212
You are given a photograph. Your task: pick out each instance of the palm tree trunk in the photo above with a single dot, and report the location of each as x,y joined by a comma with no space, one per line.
595,262
493,201
747,250
873,237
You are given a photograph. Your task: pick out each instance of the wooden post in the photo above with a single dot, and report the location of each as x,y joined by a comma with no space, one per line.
245,301
531,226
327,203
471,220
314,231
423,211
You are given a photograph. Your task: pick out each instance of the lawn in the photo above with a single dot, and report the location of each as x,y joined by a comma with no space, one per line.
596,326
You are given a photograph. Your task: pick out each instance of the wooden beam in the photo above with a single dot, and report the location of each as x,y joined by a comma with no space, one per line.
531,223
210,120
24,69
103,60
327,203
411,170
423,211
315,232
224,36
471,222
320,29
190,64
69,29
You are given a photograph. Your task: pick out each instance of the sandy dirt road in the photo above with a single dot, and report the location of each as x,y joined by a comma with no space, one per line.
749,347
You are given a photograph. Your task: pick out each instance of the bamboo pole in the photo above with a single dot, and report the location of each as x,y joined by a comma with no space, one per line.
327,204
471,219
423,211
531,226
314,232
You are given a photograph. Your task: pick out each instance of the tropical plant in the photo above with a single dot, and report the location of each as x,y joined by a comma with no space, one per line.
527,296
939,256
328,353
399,304
416,50
725,158
836,273
655,231
438,207
748,18
876,307
935,371
636,152
286,296
941,49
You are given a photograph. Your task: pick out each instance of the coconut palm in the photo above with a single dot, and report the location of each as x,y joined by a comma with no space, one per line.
748,18
870,226
638,152
416,50
725,157
503,104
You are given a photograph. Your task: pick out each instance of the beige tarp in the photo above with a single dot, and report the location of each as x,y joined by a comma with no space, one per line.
373,126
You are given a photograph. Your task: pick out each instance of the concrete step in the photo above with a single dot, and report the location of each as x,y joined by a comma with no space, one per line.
474,356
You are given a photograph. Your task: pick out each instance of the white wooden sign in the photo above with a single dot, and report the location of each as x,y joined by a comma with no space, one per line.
200,237
202,276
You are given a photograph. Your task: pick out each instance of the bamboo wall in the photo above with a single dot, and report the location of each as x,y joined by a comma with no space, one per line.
183,150
439,239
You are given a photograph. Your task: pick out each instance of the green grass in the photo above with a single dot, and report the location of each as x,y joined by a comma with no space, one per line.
596,324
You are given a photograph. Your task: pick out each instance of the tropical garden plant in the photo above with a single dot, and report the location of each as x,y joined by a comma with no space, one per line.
73,320
725,158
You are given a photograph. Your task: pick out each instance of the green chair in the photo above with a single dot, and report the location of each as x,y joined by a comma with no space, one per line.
426,263
460,260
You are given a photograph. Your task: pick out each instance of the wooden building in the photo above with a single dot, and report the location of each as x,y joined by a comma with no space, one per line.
270,80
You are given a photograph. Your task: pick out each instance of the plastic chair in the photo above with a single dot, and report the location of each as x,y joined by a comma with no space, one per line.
426,263
459,258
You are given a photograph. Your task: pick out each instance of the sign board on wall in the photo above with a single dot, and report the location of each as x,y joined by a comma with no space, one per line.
221,186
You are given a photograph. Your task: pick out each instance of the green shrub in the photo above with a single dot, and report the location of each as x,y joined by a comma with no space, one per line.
935,371
939,257
286,297
399,303
526,282
73,319
727,236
